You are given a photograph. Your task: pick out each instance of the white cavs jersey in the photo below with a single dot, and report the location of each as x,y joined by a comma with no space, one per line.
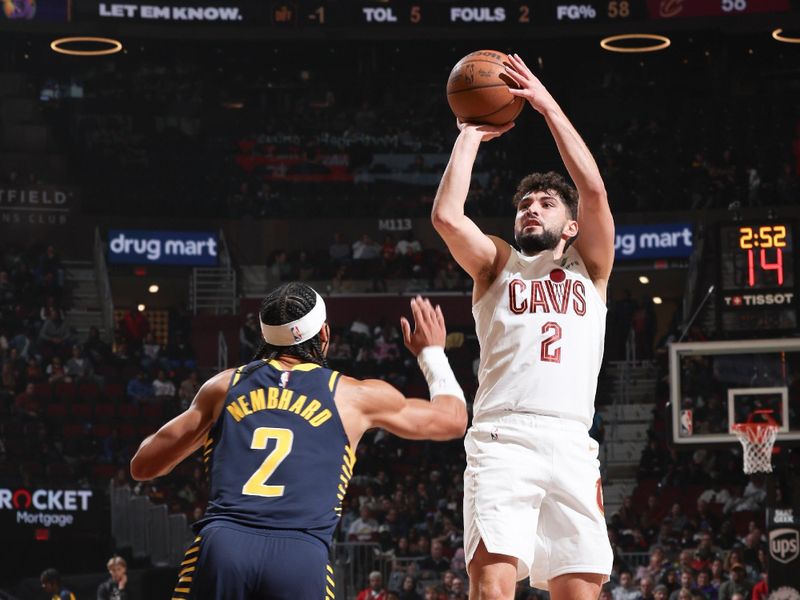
541,327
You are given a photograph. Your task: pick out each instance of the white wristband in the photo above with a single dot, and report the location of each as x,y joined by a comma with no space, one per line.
440,377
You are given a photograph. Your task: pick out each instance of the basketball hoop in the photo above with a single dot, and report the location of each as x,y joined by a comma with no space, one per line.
757,440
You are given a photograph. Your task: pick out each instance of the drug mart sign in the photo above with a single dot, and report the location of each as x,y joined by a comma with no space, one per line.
142,247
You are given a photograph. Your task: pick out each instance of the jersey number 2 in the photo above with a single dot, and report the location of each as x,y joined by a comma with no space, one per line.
256,485
550,354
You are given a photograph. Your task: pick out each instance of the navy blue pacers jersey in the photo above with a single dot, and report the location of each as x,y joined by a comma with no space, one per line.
278,456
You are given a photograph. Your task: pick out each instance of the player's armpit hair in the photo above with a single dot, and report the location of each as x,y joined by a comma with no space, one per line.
284,304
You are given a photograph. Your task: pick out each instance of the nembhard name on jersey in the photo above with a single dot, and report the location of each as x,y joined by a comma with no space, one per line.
278,399
546,297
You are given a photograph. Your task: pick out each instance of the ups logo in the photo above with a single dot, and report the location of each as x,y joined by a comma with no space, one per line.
784,545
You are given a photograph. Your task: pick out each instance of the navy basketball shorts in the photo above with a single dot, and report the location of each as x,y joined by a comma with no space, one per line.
228,561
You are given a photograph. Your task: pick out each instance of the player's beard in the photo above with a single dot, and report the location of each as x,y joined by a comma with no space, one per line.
533,243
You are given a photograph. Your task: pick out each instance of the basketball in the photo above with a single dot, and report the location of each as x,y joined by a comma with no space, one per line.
477,89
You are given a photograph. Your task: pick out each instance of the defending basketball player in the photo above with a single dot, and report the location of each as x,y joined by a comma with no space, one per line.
279,437
532,493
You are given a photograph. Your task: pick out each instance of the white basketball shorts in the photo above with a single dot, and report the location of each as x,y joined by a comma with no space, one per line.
532,490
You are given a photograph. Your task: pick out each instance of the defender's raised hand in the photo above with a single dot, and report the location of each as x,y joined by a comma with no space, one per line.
429,326
530,87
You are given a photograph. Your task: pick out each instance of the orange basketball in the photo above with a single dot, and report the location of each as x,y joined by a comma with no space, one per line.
477,89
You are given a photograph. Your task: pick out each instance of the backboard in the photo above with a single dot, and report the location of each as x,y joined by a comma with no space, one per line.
714,385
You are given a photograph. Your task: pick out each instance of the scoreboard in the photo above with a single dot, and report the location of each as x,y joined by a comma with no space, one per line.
364,15
756,276
430,12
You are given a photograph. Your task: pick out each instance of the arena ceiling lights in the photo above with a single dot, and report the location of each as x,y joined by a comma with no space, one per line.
778,36
107,46
657,42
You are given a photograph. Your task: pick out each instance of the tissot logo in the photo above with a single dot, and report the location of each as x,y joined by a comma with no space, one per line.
784,545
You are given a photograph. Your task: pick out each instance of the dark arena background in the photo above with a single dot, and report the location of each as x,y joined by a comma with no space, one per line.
150,197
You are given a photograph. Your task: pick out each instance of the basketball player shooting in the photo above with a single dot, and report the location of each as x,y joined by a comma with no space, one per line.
279,437
532,491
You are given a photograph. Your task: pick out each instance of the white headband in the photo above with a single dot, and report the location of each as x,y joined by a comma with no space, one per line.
299,331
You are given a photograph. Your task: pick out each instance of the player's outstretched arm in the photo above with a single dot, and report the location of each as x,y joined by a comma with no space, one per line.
159,453
378,404
595,223
477,253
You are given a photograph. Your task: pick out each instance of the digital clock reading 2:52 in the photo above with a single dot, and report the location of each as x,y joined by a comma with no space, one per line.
765,246
757,275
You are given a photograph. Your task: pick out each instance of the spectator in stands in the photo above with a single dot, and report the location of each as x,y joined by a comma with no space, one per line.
654,568
457,591
384,350
33,372
339,250
679,518
706,550
434,564
54,336
364,528
761,588
50,265
279,268
375,591
448,277
180,353
716,494
651,464
366,254
188,390
8,380
95,348
360,331
304,267
409,248
114,449
163,387
56,373
249,338
78,367
431,593
717,575
737,584
151,353
26,403
626,590
388,254
51,584
408,591
704,585
134,326
139,389
458,564
6,291
646,588
660,592
686,583
115,587
339,349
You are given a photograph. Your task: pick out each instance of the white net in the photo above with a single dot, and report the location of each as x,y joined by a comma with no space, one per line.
757,440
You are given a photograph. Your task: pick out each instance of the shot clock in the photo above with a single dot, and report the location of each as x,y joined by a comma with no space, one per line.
757,276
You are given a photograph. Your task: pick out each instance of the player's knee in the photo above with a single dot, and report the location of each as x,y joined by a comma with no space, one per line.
493,589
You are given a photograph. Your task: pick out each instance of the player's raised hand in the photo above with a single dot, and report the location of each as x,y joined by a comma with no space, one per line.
429,327
484,132
530,87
